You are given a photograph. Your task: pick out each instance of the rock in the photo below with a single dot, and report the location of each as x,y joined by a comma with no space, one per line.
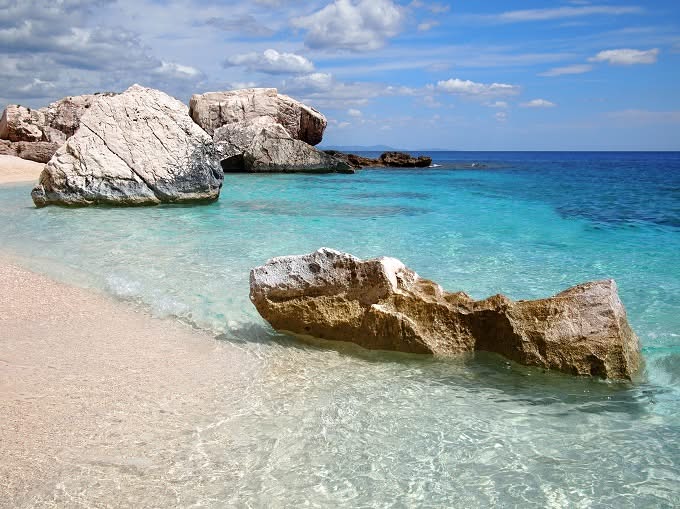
381,304
63,116
38,151
215,109
21,124
54,123
387,159
137,148
37,134
262,145
403,160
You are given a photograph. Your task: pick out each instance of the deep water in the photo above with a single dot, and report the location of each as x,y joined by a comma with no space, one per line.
341,427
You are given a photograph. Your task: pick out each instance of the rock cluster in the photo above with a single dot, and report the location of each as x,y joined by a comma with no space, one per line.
386,159
212,110
48,127
139,147
381,304
260,130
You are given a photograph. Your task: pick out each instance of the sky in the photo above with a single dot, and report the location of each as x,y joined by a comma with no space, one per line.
415,74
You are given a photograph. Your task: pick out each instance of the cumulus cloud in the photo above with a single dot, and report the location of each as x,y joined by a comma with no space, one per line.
538,103
627,56
51,50
175,70
501,116
474,89
567,69
325,91
352,112
271,62
354,25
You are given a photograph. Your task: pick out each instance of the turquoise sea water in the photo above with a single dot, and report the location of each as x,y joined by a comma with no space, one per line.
329,427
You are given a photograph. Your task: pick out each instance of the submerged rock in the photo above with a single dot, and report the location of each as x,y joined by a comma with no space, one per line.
136,148
212,110
381,304
262,145
386,159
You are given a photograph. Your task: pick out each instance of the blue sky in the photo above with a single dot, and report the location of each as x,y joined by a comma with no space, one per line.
463,75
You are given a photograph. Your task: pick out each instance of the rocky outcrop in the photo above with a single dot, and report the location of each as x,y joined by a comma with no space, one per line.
386,159
137,148
262,145
381,304
260,130
215,109
21,124
402,160
38,151
54,123
48,127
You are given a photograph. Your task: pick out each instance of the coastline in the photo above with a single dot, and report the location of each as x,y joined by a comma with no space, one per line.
86,380
14,170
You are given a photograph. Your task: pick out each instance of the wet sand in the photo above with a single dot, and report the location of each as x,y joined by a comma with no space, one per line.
14,169
97,398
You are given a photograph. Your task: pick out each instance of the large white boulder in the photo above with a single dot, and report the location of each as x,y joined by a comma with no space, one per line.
139,147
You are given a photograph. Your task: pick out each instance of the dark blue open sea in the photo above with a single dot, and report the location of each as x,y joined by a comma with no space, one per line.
333,428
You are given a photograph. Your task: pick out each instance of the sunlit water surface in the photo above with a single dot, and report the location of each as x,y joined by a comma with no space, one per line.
340,427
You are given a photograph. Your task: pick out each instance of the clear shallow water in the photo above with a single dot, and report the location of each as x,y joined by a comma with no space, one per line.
344,427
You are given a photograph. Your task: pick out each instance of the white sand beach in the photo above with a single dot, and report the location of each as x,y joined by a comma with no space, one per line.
14,169
92,387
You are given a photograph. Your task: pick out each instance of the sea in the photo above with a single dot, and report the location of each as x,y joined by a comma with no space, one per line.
333,426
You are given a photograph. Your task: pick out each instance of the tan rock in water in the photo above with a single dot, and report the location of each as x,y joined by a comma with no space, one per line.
381,304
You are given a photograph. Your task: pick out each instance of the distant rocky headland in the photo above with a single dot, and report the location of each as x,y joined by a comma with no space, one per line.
143,147
386,160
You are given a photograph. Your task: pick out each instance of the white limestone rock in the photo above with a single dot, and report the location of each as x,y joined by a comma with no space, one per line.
213,110
136,148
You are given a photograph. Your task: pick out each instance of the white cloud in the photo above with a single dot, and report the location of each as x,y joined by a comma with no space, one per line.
325,91
567,69
37,88
237,85
430,102
501,116
271,61
626,56
538,103
471,88
175,70
362,25
427,25
561,13
352,112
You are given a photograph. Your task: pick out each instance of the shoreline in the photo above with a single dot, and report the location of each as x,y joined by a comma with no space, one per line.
14,170
84,377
